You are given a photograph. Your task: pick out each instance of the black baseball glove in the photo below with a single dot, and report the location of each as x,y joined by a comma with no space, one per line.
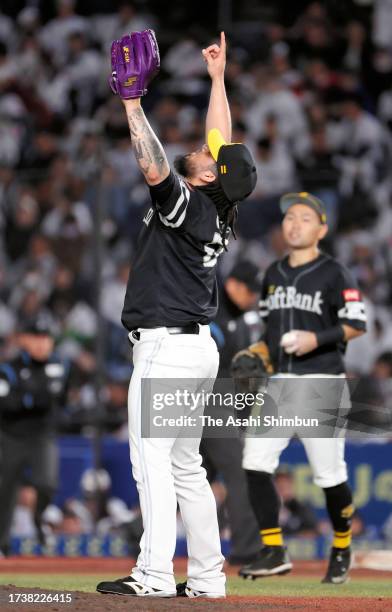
251,367
252,362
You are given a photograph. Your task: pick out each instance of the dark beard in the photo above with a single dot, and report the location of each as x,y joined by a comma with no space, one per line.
217,195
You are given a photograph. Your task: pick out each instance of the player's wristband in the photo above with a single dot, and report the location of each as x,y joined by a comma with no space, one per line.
331,335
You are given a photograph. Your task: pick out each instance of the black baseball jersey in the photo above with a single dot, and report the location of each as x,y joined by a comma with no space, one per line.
172,280
312,297
30,393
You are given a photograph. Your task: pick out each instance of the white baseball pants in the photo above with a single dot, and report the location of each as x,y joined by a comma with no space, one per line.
168,470
325,455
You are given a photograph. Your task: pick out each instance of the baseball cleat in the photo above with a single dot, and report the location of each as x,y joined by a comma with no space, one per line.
130,586
272,561
183,590
338,566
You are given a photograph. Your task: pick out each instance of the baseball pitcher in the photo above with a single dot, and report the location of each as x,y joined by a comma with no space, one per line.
170,299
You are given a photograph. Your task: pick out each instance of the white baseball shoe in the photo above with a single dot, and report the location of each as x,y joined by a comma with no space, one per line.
183,590
130,586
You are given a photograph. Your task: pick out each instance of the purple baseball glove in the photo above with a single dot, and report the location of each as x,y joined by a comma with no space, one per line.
135,62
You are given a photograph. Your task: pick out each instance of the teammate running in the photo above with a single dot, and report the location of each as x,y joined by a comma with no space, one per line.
170,299
311,307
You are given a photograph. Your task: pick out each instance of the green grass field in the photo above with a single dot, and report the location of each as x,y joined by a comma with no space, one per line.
284,586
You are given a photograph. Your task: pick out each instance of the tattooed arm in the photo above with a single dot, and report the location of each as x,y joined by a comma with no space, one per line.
148,151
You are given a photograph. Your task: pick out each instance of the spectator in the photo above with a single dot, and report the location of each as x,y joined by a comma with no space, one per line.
277,100
318,173
54,35
365,152
127,19
23,516
32,388
276,166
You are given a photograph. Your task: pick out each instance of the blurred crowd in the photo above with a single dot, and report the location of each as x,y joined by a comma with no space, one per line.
311,98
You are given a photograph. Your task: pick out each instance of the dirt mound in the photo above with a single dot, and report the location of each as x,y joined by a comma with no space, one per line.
93,602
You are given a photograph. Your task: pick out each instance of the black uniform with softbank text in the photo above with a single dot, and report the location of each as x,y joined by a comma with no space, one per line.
313,297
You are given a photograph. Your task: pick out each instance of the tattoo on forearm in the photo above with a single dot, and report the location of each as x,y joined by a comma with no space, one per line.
148,150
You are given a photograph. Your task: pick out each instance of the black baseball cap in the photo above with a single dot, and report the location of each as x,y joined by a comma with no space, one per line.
249,274
303,197
39,325
236,168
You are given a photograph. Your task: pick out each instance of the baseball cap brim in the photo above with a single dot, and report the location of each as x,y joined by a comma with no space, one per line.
215,140
303,197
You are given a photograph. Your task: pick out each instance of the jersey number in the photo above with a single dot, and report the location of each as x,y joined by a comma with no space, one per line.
212,251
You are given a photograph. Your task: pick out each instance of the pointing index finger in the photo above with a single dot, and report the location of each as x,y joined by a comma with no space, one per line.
223,41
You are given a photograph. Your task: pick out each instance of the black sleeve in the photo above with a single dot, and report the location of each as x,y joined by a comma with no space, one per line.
348,301
171,199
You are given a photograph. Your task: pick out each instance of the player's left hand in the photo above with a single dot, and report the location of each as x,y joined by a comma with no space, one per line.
299,342
135,61
215,57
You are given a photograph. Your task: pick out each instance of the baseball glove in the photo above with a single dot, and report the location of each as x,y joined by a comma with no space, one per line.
252,362
135,61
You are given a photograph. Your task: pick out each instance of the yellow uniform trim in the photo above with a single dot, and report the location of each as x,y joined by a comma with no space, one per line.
342,539
272,537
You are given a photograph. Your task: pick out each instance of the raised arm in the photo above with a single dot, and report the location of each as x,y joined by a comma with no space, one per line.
218,114
146,147
135,61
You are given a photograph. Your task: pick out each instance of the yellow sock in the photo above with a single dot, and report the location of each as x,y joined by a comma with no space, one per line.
272,537
342,539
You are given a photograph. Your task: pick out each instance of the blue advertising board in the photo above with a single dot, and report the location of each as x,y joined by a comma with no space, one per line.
370,474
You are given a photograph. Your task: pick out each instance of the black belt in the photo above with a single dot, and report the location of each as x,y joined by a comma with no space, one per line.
191,328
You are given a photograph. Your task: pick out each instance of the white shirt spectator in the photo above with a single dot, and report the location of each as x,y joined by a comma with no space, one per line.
86,67
54,35
7,320
364,142
285,106
385,106
112,300
8,70
11,136
82,320
7,30
277,172
52,223
186,66
23,523
107,28
124,164
382,23
366,131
